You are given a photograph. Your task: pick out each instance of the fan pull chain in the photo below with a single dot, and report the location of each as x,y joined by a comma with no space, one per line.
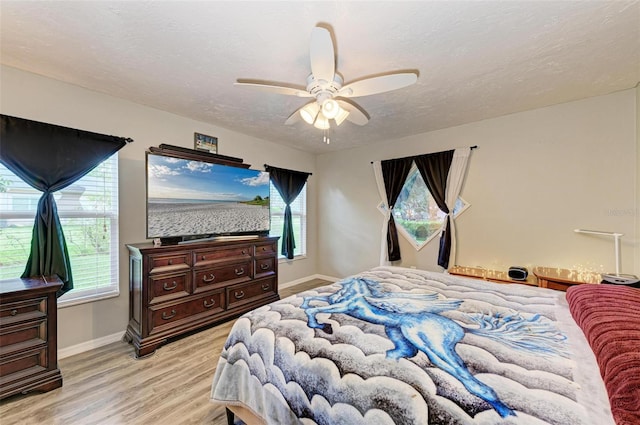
325,137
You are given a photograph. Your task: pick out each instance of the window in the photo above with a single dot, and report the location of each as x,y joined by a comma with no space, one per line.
416,213
88,211
298,214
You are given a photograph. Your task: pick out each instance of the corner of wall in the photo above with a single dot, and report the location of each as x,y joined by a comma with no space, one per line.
637,211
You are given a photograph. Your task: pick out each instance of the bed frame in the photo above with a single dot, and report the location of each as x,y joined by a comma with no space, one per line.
246,415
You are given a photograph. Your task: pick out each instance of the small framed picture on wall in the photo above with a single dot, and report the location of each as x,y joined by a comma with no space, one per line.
205,143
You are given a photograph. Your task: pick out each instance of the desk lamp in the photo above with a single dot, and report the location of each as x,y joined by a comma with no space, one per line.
617,278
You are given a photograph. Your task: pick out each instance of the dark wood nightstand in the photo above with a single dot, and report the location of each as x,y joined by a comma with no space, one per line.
561,279
28,335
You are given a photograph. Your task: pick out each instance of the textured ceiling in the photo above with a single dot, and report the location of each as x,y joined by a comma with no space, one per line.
476,59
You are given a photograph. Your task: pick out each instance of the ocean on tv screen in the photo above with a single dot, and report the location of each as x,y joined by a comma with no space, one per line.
186,197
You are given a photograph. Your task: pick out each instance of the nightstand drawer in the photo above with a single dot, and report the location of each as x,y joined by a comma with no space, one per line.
20,311
34,332
23,363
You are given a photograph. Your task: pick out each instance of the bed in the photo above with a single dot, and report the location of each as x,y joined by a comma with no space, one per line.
404,346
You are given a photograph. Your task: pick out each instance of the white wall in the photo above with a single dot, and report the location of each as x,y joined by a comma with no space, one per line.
535,177
37,98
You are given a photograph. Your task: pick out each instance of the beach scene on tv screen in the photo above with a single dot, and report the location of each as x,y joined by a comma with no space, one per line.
187,198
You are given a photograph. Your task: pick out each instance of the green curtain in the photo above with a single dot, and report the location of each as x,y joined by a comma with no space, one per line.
289,184
49,158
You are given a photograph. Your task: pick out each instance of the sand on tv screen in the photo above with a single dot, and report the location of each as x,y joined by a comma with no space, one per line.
193,198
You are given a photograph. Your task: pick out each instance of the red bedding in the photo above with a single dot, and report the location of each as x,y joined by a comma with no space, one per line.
610,319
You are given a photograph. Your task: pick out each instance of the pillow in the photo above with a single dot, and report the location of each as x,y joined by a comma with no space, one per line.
609,316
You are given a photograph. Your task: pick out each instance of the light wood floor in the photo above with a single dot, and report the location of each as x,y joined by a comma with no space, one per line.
109,386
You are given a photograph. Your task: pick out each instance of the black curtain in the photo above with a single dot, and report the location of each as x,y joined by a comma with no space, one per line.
394,174
288,183
434,169
49,158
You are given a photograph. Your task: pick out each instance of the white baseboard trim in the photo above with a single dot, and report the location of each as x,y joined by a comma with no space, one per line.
99,342
306,279
89,345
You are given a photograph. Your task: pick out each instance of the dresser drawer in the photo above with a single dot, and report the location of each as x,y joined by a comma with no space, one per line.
20,311
172,315
205,257
159,263
167,287
247,292
224,275
266,249
23,334
23,363
264,267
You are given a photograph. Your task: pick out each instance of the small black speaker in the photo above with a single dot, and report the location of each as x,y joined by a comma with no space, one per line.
518,273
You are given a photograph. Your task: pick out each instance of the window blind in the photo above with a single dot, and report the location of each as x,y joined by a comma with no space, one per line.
88,211
298,214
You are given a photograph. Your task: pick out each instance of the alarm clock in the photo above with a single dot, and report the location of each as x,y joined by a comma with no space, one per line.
518,273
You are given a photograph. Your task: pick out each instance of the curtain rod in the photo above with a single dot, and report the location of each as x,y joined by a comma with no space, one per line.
295,171
472,148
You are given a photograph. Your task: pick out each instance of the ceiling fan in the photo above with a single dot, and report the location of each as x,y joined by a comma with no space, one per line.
326,86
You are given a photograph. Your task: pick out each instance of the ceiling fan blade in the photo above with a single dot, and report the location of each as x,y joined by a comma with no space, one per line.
323,61
356,114
273,88
377,85
293,118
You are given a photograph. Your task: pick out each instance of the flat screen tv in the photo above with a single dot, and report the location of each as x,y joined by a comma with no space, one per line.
189,199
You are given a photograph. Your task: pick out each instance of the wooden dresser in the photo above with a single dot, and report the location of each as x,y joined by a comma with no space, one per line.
28,335
179,288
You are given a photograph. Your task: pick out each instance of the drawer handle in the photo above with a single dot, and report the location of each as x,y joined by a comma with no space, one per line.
166,316
244,252
14,312
266,287
211,279
238,294
264,248
213,302
169,288
240,272
170,262
204,257
264,266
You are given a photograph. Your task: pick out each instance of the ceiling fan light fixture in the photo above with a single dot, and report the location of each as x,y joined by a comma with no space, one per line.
342,115
330,108
325,84
310,112
321,122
